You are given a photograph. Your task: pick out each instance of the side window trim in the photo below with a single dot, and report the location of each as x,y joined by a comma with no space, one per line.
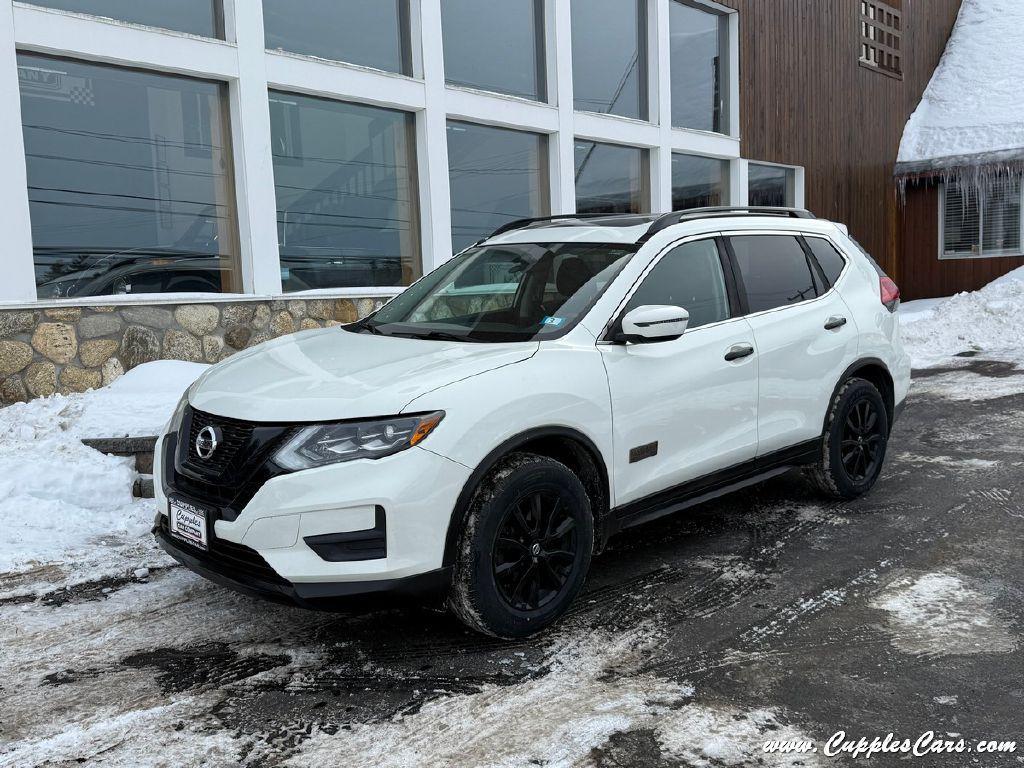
733,292
815,267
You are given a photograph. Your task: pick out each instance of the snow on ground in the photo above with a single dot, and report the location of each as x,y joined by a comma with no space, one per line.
937,614
973,102
62,502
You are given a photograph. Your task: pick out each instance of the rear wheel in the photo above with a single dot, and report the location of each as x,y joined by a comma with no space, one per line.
525,550
855,441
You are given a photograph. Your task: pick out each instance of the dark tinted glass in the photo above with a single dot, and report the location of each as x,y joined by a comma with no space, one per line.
775,271
828,258
770,185
609,57
495,175
699,181
495,45
346,193
696,67
198,17
372,33
129,180
690,277
610,178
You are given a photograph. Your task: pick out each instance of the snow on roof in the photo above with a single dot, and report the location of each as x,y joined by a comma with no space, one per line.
972,111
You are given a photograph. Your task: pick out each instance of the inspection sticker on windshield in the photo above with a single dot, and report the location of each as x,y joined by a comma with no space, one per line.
188,523
555,321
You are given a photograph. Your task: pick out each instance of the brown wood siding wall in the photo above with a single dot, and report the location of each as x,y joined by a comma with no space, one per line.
923,274
805,100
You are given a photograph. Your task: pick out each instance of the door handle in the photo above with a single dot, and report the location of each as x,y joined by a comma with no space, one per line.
836,321
736,351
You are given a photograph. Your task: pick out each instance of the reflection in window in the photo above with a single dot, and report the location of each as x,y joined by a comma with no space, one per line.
609,56
771,185
346,193
690,277
495,45
129,180
610,178
496,175
697,82
981,225
371,33
197,17
775,271
699,181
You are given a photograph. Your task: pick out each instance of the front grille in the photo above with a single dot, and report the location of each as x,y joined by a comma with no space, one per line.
228,558
234,436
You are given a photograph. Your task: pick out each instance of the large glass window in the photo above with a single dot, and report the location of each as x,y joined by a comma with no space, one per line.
129,180
496,175
495,45
699,181
346,193
611,178
698,84
690,277
609,56
981,225
198,17
771,185
775,271
371,33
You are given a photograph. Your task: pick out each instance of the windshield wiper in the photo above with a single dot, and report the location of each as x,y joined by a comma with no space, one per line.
431,336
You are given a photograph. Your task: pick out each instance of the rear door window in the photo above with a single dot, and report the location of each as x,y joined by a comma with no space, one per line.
689,276
775,271
828,258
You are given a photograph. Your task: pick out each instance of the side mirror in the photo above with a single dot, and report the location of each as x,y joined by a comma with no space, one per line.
654,322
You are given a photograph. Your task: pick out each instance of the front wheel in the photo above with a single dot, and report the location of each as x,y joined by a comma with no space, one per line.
854,443
525,551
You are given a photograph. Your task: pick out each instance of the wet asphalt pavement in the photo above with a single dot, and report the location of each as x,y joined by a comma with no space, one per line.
768,614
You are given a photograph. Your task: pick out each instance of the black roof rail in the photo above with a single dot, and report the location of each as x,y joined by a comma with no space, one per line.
523,223
677,217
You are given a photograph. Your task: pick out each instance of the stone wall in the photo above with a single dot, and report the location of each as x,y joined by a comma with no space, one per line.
72,349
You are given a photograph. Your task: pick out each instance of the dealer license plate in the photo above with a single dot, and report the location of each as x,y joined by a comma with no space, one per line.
188,523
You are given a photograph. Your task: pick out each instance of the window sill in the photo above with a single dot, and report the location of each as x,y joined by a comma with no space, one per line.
970,256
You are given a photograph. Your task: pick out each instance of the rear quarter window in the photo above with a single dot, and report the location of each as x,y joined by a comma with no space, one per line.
828,258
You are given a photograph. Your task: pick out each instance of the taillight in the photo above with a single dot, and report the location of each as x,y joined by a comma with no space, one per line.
890,293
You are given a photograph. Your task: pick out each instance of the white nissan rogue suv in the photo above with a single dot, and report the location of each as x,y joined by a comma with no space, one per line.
483,434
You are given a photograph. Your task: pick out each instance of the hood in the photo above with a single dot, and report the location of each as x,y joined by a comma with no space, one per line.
331,374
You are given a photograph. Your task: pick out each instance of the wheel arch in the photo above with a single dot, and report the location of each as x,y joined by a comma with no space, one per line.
564,444
877,372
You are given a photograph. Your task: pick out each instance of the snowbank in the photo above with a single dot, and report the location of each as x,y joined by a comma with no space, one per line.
986,321
63,502
974,102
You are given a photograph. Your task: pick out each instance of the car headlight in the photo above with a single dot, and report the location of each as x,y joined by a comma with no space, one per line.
332,443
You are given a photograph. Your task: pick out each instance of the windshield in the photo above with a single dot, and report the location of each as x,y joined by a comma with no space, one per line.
518,292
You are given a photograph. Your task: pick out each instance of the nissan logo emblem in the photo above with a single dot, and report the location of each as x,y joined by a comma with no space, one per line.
206,442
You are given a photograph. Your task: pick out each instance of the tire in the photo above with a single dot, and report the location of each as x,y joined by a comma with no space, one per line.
854,443
512,578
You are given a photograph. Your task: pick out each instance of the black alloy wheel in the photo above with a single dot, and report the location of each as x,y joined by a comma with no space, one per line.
863,440
535,550
524,549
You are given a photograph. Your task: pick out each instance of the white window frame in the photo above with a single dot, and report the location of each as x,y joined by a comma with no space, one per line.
249,71
799,192
945,255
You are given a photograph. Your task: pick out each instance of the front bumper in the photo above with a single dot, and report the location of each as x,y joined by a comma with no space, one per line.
424,587
414,491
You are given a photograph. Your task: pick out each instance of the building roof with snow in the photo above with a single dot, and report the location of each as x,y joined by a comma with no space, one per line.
972,112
